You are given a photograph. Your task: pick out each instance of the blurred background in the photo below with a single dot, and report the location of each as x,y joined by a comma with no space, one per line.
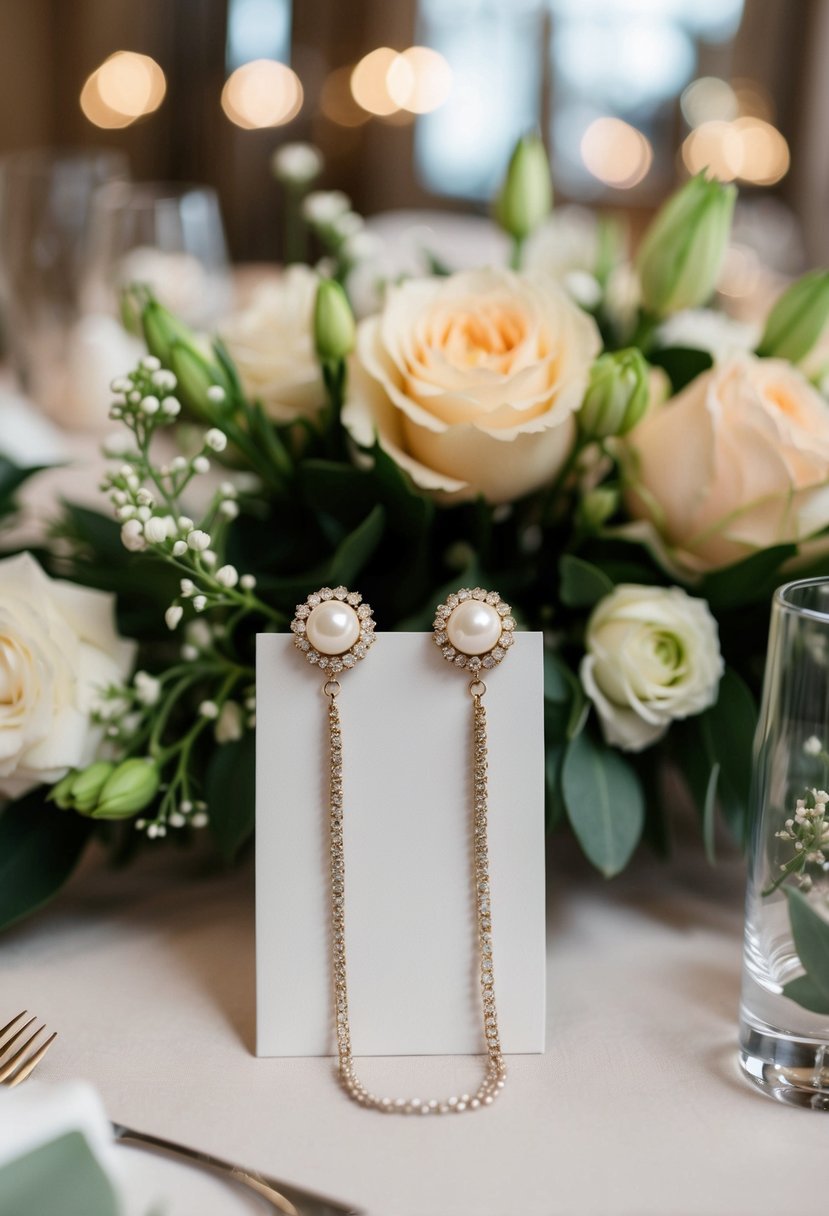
630,95
415,106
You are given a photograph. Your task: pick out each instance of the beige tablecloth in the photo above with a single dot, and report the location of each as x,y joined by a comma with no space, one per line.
636,1109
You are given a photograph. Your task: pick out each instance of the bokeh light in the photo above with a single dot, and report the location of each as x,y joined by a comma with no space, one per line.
369,81
709,99
419,80
337,102
748,149
616,153
127,86
262,93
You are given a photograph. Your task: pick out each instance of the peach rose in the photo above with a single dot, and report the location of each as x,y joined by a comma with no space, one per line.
470,382
737,462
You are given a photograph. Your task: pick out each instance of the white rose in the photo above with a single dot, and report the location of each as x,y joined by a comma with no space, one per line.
58,648
272,344
653,655
470,382
737,462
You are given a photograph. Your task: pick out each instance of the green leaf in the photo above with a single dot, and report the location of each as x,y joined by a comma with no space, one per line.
582,585
722,736
682,363
339,489
811,938
804,991
39,848
558,679
409,511
749,581
230,785
60,1178
605,803
358,547
709,808
12,478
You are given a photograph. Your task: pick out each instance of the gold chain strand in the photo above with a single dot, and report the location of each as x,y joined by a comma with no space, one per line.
493,1081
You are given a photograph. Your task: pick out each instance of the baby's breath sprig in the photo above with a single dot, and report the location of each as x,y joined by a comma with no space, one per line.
209,688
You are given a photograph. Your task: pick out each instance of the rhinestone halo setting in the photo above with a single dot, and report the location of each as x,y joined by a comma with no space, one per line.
334,663
475,662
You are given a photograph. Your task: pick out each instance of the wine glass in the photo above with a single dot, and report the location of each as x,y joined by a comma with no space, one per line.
45,201
169,237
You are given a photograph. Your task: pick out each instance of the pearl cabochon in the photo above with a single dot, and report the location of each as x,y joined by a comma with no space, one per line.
474,627
332,627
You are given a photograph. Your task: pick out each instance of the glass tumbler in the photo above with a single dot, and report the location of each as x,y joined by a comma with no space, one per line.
784,1015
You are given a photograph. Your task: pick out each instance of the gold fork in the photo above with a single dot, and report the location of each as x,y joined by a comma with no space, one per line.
16,1068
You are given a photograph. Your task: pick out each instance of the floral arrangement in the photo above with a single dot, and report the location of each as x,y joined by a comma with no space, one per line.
629,492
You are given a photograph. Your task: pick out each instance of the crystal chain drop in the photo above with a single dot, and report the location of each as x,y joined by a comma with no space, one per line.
493,1081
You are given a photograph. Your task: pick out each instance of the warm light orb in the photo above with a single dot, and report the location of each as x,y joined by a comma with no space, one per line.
749,150
765,152
337,102
715,147
616,153
419,80
708,99
262,93
369,81
125,87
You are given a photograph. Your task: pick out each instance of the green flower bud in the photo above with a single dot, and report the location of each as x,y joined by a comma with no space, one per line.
526,196
128,790
334,328
680,256
797,319
161,329
617,396
87,785
60,794
196,377
596,507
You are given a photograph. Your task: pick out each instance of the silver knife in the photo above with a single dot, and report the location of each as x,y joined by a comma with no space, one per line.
289,1200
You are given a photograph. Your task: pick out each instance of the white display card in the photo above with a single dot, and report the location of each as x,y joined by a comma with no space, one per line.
411,938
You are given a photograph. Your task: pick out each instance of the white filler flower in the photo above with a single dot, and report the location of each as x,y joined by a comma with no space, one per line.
653,655
59,648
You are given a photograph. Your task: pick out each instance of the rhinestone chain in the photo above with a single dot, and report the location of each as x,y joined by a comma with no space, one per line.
493,1081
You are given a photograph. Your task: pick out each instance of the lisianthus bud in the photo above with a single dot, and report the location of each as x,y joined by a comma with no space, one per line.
526,196
196,378
334,327
60,794
162,329
596,507
797,319
679,258
617,395
87,785
130,788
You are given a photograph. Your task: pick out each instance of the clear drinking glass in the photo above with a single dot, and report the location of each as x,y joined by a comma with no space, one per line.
45,199
784,1016
168,236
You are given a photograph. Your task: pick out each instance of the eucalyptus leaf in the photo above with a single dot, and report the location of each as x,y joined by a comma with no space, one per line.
811,939
581,584
60,1178
230,791
605,803
39,848
804,991
558,679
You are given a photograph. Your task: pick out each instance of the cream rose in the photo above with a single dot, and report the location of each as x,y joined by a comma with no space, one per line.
272,344
58,648
470,382
737,462
653,655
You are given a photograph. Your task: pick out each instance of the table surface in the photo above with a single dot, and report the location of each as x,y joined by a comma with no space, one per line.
636,1108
